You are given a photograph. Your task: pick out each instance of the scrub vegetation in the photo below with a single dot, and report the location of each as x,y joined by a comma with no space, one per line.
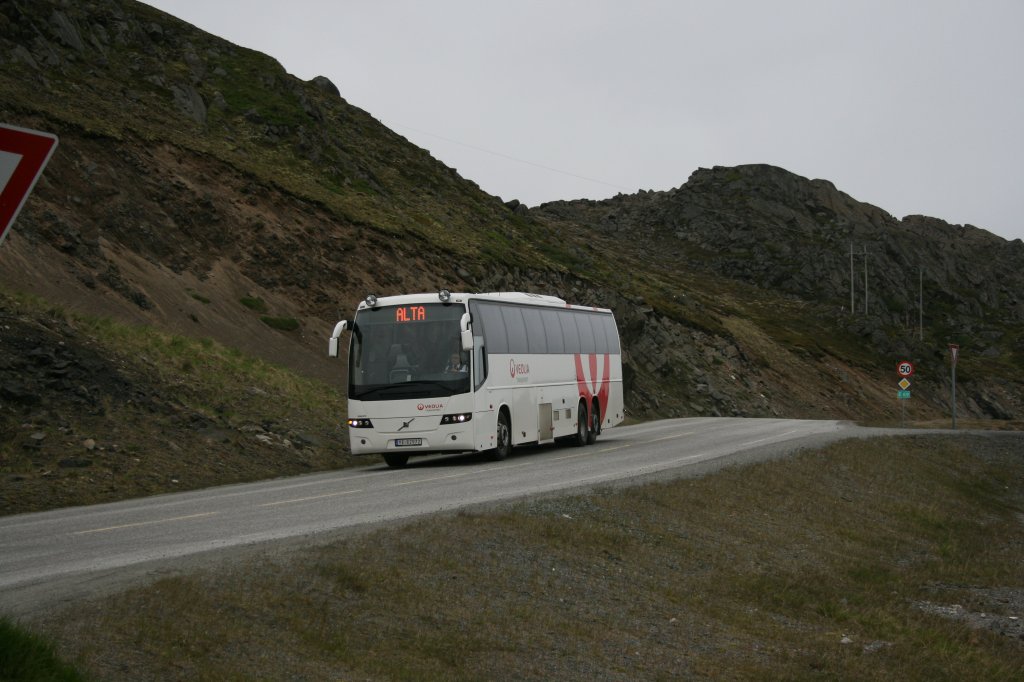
283,324
254,303
28,657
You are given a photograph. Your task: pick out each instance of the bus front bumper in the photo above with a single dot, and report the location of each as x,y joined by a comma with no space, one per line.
363,443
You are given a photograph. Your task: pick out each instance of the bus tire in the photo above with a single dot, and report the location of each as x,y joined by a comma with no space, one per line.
503,447
582,432
396,461
595,424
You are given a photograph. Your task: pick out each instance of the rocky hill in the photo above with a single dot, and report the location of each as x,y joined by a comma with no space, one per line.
805,240
201,190
778,231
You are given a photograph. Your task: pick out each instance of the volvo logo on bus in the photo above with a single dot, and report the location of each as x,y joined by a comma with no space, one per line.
516,369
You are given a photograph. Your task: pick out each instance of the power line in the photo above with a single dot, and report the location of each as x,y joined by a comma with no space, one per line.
513,158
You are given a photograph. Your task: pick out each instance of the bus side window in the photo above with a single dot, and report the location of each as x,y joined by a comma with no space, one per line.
535,331
553,331
479,361
493,327
569,331
600,338
586,333
612,333
516,329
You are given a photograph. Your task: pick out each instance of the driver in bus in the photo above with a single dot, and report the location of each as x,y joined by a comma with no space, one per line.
456,363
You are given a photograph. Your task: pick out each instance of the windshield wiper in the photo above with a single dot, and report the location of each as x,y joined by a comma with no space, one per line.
424,382
405,386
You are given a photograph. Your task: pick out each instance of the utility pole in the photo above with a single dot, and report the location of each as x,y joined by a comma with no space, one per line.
865,280
853,310
920,303
954,351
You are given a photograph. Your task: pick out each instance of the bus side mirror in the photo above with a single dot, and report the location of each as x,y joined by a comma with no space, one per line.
467,332
332,343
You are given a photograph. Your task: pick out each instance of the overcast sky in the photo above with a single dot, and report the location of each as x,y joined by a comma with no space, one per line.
915,107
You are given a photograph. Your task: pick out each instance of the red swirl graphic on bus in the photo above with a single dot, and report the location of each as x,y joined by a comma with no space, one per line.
591,383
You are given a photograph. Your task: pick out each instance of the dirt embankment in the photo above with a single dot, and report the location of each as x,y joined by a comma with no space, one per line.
83,420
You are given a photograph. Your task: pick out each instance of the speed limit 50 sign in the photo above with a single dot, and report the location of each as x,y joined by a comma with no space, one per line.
905,368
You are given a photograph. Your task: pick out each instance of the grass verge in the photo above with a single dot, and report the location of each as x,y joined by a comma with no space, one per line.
881,559
29,658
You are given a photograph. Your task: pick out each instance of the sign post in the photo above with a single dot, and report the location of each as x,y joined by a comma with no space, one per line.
905,369
954,351
23,155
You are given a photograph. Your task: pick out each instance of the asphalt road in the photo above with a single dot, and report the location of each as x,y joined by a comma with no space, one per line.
61,555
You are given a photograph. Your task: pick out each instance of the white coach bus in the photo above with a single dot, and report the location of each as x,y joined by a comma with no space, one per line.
452,373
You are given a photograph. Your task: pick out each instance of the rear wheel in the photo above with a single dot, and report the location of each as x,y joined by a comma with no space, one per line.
396,461
582,433
504,438
595,424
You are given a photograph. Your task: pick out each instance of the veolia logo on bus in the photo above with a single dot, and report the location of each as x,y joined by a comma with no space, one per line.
429,406
517,369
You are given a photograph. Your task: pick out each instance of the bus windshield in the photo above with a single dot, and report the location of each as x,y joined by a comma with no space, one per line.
408,351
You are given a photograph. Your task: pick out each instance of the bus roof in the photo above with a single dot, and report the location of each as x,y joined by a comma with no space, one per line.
498,296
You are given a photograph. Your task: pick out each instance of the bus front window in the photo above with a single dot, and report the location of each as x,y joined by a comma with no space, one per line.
411,351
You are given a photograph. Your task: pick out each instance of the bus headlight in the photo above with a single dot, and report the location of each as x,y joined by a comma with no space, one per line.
360,423
456,418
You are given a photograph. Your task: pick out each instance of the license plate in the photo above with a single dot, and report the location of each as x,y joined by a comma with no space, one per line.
403,442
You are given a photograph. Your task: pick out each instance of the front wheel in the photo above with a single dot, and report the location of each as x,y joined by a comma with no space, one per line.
503,446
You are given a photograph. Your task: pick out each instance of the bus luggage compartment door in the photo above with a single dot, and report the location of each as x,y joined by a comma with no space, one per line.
545,427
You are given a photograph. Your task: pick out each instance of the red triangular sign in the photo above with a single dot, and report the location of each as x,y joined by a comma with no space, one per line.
23,155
